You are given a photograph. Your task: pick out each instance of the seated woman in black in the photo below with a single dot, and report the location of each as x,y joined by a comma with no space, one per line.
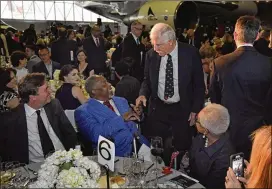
83,66
211,149
8,86
69,94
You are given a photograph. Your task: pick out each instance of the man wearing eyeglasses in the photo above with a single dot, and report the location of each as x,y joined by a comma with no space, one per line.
46,66
174,85
133,48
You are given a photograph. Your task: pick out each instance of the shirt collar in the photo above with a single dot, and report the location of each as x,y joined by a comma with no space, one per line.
212,149
34,56
175,50
48,64
245,45
135,38
102,102
29,110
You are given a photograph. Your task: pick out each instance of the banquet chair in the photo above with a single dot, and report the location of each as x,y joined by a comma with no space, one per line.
71,116
86,146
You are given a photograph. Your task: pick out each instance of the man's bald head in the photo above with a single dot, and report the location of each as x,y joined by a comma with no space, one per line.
96,31
96,85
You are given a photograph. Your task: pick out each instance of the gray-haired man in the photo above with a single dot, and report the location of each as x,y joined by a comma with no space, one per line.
174,85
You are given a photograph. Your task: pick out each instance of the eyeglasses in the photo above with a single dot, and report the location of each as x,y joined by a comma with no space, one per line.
42,55
139,29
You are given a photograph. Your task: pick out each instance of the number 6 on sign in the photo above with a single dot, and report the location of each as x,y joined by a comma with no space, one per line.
106,152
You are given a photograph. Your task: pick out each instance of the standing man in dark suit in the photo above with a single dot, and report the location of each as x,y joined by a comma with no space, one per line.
241,83
174,82
39,125
46,66
64,50
95,49
132,47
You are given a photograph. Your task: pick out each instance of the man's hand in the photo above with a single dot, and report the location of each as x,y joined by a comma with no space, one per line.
131,116
192,118
141,100
137,109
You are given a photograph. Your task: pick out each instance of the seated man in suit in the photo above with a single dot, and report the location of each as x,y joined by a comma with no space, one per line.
38,126
128,87
110,118
46,66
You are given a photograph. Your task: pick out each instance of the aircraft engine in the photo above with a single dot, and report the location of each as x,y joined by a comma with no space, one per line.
188,14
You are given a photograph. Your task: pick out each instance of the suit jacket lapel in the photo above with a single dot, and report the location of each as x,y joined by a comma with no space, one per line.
51,118
44,68
183,69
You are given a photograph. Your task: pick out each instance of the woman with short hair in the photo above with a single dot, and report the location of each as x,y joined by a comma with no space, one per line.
211,149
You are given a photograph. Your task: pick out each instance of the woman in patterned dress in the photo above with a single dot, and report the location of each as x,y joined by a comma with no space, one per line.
8,85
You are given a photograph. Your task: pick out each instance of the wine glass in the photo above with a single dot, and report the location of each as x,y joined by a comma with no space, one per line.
156,150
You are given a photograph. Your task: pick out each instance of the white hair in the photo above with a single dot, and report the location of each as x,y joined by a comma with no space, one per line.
163,31
215,118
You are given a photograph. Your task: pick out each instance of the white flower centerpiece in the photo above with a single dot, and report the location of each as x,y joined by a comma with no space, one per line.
68,169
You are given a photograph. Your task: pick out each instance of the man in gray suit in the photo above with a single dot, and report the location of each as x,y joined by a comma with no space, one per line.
32,57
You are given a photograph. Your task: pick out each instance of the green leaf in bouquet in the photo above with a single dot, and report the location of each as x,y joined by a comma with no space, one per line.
66,166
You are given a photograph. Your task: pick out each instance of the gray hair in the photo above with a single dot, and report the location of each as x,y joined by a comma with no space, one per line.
90,84
163,31
215,118
247,28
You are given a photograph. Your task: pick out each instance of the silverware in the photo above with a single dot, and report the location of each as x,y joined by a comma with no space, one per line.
150,167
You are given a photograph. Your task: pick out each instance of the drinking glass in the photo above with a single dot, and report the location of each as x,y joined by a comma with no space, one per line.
156,150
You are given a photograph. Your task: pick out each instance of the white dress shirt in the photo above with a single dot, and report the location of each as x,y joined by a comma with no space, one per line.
138,40
95,40
113,105
245,45
175,98
49,68
34,142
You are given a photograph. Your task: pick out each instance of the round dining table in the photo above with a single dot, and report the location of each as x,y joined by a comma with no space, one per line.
119,169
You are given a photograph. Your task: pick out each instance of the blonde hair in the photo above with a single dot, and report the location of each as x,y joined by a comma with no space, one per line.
260,168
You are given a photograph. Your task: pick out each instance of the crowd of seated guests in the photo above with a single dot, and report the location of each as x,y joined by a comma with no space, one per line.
110,115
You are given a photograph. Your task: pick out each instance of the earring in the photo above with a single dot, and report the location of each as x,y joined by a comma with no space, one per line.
206,140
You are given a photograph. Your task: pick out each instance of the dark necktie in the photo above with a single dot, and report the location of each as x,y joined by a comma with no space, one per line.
169,81
107,103
47,145
97,42
138,41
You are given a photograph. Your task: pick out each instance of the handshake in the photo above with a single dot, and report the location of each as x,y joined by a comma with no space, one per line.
134,114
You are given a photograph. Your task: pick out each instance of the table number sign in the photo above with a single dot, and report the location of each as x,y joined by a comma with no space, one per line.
106,152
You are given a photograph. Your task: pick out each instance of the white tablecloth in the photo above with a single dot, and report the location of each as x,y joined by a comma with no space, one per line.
119,168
